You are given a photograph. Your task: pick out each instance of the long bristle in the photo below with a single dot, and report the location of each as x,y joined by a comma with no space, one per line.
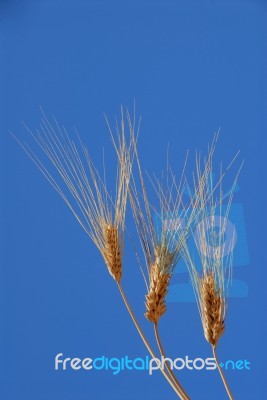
73,175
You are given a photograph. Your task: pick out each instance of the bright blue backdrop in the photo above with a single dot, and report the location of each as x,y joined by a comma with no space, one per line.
191,67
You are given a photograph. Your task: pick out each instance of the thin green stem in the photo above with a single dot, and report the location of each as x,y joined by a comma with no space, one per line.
163,354
177,390
227,388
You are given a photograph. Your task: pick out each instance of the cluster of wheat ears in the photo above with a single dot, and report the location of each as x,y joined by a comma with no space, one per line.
73,175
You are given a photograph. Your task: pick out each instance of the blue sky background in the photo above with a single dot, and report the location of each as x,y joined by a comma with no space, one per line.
191,67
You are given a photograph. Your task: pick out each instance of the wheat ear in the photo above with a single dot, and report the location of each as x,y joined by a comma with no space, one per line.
212,307
112,251
155,299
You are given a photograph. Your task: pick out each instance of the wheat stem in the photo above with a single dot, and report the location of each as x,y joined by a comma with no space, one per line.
163,354
142,335
227,388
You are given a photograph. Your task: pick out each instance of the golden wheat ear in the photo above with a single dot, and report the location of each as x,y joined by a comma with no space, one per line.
156,297
159,278
212,306
112,251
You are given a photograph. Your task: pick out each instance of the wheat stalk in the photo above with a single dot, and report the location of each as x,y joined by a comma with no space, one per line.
162,247
160,264
160,267
169,377
212,281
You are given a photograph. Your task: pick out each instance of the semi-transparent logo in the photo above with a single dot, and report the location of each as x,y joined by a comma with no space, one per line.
180,289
